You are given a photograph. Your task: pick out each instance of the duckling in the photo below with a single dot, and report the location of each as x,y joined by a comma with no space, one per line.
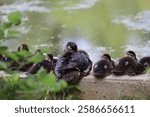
102,68
23,47
142,65
145,61
139,69
125,65
108,57
47,64
1,57
73,65
22,64
132,54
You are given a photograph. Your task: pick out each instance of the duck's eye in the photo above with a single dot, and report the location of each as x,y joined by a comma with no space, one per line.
105,66
69,47
126,63
131,55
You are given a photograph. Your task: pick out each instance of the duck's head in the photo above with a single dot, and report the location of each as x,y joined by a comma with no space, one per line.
23,47
132,54
70,47
106,57
49,57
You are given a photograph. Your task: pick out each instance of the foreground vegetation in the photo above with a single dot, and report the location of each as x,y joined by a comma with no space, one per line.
42,85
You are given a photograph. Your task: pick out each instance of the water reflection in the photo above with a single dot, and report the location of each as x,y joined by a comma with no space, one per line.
97,26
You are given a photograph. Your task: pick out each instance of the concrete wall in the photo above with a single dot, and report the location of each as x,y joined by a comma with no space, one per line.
112,87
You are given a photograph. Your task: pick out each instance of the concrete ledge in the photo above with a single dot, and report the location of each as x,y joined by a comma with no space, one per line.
112,87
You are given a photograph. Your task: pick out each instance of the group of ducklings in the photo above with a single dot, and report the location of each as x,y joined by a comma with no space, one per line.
129,65
74,64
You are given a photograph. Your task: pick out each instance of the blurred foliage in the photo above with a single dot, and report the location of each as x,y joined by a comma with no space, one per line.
34,87
42,85
6,30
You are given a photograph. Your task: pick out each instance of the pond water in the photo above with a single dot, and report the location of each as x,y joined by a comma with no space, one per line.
97,26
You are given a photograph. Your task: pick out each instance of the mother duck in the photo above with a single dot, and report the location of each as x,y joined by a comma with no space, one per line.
73,65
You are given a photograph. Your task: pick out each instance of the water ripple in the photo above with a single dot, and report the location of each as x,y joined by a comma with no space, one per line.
84,4
139,22
32,6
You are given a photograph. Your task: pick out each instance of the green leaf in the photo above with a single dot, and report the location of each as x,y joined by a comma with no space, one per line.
63,84
23,53
15,18
36,59
6,25
41,73
69,97
56,87
49,80
11,55
15,77
78,88
3,65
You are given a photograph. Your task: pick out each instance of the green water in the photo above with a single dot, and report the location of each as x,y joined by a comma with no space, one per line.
98,26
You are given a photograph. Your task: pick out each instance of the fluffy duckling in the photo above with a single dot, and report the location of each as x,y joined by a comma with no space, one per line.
109,59
132,54
145,61
73,65
1,57
142,65
23,47
125,65
104,66
139,69
47,64
102,69
22,64
18,65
